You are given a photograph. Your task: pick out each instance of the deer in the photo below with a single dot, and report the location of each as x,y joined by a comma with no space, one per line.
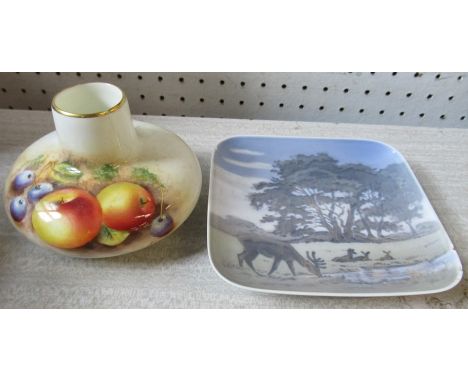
364,257
279,252
350,252
387,256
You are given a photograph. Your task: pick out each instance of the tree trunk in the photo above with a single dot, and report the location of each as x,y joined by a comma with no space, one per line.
348,228
380,227
365,222
338,234
337,230
323,220
283,227
381,221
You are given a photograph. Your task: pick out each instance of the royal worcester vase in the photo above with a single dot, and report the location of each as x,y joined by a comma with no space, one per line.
101,184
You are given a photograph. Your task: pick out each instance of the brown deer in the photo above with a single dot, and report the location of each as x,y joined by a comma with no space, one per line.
279,251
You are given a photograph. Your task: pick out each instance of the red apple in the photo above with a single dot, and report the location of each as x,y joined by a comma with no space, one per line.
126,206
67,218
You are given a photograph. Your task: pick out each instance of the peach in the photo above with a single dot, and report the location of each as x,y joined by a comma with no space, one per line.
126,206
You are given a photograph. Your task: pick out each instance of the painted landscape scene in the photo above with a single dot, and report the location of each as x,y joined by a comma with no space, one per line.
324,216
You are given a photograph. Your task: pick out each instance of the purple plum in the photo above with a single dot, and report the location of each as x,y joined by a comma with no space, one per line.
18,208
39,190
161,226
23,180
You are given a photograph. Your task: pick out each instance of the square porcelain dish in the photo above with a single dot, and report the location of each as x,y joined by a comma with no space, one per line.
335,217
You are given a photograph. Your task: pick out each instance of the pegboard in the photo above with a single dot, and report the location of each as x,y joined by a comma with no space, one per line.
396,98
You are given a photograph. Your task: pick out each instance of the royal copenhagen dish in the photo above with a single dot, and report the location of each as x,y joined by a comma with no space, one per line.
334,217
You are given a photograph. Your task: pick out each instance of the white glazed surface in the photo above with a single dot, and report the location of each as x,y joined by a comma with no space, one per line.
89,98
109,137
426,263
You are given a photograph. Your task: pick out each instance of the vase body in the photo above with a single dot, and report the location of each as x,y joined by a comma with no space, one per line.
101,185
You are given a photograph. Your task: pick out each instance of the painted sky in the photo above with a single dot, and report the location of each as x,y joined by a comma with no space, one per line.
253,156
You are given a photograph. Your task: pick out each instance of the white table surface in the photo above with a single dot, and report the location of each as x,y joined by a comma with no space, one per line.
176,273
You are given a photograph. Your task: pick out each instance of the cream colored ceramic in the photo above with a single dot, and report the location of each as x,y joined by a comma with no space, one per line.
101,185
93,120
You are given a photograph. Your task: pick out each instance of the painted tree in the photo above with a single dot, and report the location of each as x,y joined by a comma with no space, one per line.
309,195
304,188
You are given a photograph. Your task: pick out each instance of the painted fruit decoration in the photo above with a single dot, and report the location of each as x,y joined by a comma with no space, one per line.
111,237
39,190
18,208
67,218
23,180
126,206
162,225
71,203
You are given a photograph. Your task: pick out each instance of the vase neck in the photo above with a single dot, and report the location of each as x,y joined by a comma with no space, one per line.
105,138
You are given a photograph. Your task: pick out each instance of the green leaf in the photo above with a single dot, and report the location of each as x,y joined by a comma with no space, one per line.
106,172
142,174
65,172
36,162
